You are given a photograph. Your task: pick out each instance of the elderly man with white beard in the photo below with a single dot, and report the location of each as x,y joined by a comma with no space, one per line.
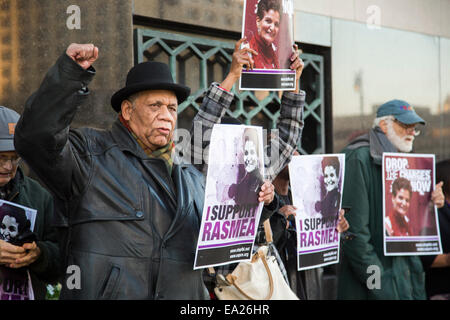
401,277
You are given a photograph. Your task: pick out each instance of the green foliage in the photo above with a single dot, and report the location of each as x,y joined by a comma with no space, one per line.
53,292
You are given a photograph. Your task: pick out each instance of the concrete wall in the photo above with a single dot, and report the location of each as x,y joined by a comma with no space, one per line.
34,33
423,16
219,14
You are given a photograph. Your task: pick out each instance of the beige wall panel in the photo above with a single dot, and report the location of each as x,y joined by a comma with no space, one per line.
322,7
343,9
412,15
226,15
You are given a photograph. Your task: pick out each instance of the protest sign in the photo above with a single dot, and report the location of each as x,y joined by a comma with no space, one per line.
316,185
268,27
410,219
16,222
231,209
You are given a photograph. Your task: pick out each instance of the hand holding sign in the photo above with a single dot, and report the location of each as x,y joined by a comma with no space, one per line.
288,211
437,196
297,63
241,57
32,254
267,193
343,224
9,253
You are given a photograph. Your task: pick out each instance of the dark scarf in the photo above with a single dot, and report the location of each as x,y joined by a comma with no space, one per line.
377,141
6,190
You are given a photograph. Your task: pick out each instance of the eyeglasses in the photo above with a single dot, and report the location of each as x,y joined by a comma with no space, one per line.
408,127
14,160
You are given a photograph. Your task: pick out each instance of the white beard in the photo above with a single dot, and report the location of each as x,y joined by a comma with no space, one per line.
400,143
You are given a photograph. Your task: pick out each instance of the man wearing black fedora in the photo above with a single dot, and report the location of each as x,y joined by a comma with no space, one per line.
130,215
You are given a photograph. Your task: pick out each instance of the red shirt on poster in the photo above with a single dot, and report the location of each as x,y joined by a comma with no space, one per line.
267,57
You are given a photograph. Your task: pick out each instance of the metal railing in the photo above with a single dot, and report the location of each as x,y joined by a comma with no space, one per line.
197,61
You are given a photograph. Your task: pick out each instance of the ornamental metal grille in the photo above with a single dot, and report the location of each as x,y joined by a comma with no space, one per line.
196,62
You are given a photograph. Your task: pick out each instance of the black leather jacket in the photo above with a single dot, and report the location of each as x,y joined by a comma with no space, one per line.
132,233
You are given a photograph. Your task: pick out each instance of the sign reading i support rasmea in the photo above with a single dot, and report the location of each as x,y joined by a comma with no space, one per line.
316,185
231,210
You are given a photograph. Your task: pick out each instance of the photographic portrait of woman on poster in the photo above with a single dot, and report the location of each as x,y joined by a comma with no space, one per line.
13,223
397,222
268,20
247,187
330,203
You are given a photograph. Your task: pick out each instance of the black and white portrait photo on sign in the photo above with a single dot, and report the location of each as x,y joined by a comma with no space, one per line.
316,184
231,211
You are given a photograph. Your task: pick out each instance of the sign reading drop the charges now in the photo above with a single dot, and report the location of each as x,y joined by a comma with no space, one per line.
410,218
316,184
231,210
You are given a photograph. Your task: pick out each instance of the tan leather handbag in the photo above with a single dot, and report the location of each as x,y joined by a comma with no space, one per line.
258,279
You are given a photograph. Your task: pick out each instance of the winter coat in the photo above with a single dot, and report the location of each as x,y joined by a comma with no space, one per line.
29,193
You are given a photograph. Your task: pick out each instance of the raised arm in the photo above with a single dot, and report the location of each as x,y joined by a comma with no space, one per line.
42,136
217,100
290,124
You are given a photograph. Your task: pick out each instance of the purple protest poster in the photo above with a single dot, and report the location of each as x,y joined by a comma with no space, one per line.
15,221
316,186
268,26
231,209
410,219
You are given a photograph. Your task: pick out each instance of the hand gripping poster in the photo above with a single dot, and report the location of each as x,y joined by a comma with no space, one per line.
410,218
316,186
268,26
16,226
231,210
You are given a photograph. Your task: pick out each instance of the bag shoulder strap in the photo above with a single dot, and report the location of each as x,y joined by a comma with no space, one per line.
268,231
232,279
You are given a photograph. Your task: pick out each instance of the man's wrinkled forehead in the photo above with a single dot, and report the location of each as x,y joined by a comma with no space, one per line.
165,97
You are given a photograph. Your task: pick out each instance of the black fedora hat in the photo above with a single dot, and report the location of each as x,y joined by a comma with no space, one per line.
149,76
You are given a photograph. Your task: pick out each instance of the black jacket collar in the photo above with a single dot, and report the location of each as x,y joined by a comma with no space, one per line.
126,141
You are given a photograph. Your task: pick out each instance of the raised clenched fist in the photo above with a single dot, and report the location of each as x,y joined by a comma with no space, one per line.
83,54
